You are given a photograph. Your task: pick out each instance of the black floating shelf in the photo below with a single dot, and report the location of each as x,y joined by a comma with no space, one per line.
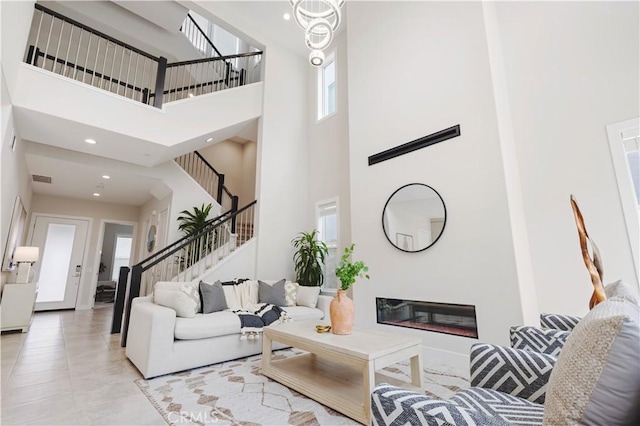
408,147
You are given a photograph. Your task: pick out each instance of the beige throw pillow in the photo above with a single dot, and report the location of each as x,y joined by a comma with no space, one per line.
596,380
182,297
291,293
307,296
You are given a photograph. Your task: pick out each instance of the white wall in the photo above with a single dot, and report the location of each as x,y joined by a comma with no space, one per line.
186,191
566,82
440,77
240,264
15,180
16,20
328,141
121,24
153,213
282,174
237,161
249,163
95,210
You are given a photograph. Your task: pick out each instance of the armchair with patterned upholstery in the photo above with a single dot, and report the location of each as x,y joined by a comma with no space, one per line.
595,379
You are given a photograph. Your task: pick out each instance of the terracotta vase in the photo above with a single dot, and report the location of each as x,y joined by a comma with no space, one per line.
341,312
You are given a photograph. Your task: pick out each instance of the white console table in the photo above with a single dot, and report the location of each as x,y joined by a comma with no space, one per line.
16,306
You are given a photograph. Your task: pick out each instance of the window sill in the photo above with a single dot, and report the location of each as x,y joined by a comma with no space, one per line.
323,119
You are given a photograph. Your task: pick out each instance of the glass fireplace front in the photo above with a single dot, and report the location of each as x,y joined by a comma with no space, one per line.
459,320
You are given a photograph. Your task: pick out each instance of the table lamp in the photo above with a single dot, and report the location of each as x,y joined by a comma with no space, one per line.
25,257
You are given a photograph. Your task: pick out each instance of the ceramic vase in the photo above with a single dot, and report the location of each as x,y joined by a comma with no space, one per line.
341,312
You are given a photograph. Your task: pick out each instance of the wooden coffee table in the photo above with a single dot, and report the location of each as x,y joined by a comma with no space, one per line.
339,371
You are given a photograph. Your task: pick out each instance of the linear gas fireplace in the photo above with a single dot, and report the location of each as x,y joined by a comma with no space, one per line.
459,320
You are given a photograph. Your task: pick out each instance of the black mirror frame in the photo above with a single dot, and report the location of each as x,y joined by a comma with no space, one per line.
444,206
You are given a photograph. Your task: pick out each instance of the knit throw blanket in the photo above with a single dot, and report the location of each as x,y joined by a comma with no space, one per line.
252,320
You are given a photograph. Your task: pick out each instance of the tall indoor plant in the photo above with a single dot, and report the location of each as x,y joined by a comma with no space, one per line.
341,309
192,222
309,258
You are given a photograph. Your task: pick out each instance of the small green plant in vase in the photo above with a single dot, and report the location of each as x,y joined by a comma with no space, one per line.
341,309
347,271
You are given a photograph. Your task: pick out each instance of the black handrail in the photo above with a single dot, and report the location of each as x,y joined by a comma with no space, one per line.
204,34
158,92
217,58
91,30
213,169
80,68
193,237
181,240
133,289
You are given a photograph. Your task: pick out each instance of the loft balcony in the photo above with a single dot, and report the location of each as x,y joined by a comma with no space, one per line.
76,82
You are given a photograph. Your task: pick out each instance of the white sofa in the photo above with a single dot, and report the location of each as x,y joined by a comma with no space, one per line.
159,342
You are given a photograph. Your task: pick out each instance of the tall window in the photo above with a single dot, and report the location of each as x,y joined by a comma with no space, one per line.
327,224
624,141
631,144
327,87
121,255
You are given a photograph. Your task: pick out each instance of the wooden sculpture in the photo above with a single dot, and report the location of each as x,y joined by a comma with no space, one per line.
594,266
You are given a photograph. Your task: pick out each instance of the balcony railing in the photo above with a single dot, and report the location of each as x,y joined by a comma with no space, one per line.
66,47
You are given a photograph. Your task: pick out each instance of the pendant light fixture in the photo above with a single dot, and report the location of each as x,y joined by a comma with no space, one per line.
319,19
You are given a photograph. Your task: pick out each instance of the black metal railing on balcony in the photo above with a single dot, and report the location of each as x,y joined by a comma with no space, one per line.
69,48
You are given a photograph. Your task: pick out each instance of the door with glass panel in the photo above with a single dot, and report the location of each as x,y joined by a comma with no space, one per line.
59,271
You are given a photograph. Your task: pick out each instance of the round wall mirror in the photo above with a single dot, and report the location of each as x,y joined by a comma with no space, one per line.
414,217
151,238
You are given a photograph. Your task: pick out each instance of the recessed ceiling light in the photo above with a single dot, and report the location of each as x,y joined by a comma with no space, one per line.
209,140
106,177
286,16
90,141
95,194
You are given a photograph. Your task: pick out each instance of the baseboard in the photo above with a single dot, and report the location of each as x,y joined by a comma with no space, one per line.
445,361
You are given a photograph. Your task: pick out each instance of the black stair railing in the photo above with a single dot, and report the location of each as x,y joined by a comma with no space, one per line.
69,48
184,260
198,37
208,178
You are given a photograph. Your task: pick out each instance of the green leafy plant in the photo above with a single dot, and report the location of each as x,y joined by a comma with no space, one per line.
347,271
192,222
309,258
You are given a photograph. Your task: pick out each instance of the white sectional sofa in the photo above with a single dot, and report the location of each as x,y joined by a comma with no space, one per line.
159,342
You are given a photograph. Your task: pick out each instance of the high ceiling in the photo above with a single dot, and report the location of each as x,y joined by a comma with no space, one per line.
71,179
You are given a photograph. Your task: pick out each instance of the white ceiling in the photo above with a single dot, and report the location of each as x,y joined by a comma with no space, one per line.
76,180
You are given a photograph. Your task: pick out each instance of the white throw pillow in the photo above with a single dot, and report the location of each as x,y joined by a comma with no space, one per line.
291,293
182,297
307,296
230,295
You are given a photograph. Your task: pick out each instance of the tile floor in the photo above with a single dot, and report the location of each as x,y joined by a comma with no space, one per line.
68,370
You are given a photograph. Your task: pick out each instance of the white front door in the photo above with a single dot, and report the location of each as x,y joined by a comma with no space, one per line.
58,273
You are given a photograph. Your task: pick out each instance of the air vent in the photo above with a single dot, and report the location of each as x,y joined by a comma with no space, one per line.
43,179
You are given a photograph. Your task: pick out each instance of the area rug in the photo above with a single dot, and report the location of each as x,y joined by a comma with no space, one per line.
235,393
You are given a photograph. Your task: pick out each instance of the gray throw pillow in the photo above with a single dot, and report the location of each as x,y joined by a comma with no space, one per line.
274,294
213,299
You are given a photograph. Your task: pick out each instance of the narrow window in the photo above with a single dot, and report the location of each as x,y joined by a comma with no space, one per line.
327,87
121,255
631,144
327,224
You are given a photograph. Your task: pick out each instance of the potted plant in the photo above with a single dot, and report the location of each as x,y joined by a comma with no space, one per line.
309,258
191,223
341,309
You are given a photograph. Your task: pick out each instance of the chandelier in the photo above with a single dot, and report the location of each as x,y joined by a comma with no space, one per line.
319,19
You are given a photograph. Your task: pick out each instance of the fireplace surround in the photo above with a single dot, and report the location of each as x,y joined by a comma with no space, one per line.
455,319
